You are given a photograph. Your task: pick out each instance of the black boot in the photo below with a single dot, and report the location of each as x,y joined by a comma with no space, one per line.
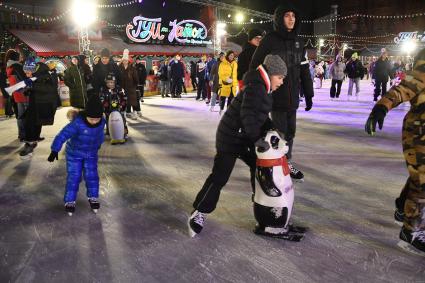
413,242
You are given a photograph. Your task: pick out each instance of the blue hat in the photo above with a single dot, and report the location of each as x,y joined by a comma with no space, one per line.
30,65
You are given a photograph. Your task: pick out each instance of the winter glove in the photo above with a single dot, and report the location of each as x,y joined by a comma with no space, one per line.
53,155
262,145
28,82
308,103
376,117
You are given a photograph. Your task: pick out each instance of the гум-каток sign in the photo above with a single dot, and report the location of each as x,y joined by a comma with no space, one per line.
409,36
142,29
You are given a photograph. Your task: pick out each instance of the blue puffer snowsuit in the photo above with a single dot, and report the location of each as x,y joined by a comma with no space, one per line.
81,154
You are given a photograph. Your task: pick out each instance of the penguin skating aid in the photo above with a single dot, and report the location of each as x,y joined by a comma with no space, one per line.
274,192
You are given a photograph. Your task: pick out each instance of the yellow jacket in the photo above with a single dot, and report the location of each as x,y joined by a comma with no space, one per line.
228,71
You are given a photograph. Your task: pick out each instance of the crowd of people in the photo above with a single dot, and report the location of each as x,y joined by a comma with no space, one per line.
35,104
261,90
380,70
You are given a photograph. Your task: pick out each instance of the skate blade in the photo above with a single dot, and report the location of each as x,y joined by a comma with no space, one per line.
293,237
95,211
409,248
298,180
191,233
26,157
297,229
69,213
398,223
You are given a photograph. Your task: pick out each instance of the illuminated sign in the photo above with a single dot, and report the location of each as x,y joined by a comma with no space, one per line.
143,30
409,36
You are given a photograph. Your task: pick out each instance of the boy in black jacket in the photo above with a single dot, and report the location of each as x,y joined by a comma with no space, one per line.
240,129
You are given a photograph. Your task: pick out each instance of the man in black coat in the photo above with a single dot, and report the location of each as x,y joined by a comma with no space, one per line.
284,41
381,72
141,72
241,128
177,76
102,69
193,75
42,104
244,59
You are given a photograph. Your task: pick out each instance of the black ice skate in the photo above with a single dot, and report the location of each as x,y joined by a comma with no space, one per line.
412,242
280,233
94,204
398,217
296,174
27,151
196,223
70,207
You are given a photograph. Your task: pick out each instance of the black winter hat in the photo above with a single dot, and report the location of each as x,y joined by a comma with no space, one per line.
12,55
254,33
94,107
110,77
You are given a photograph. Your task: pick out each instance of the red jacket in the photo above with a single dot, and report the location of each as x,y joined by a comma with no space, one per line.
16,74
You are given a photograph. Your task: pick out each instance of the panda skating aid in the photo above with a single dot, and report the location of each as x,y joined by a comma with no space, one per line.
274,193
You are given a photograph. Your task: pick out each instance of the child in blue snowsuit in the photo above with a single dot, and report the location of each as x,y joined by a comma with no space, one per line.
83,136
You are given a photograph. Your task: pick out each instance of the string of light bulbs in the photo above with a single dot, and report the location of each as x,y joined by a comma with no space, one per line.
35,18
346,36
118,5
246,23
339,18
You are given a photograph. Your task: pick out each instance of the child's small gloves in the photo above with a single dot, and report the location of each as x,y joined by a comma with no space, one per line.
53,155
28,82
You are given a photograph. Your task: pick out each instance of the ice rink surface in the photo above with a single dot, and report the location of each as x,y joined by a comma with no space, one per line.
148,185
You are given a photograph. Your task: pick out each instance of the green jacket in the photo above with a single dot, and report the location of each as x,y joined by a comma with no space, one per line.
74,79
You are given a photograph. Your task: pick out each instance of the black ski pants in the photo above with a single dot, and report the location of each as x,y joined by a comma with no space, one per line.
286,123
208,196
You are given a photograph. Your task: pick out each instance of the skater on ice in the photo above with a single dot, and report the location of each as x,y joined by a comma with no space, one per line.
114,102
42,104
284,41
410,206
83,136
241,129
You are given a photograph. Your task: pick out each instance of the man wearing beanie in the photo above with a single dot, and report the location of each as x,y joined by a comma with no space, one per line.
254,38
285,42
241,128
102,69
355,72
83,136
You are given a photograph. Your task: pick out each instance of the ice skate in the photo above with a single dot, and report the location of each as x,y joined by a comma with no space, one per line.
296,174
412,242
94,204
70,207
27,151
196,223
280,233
139,114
